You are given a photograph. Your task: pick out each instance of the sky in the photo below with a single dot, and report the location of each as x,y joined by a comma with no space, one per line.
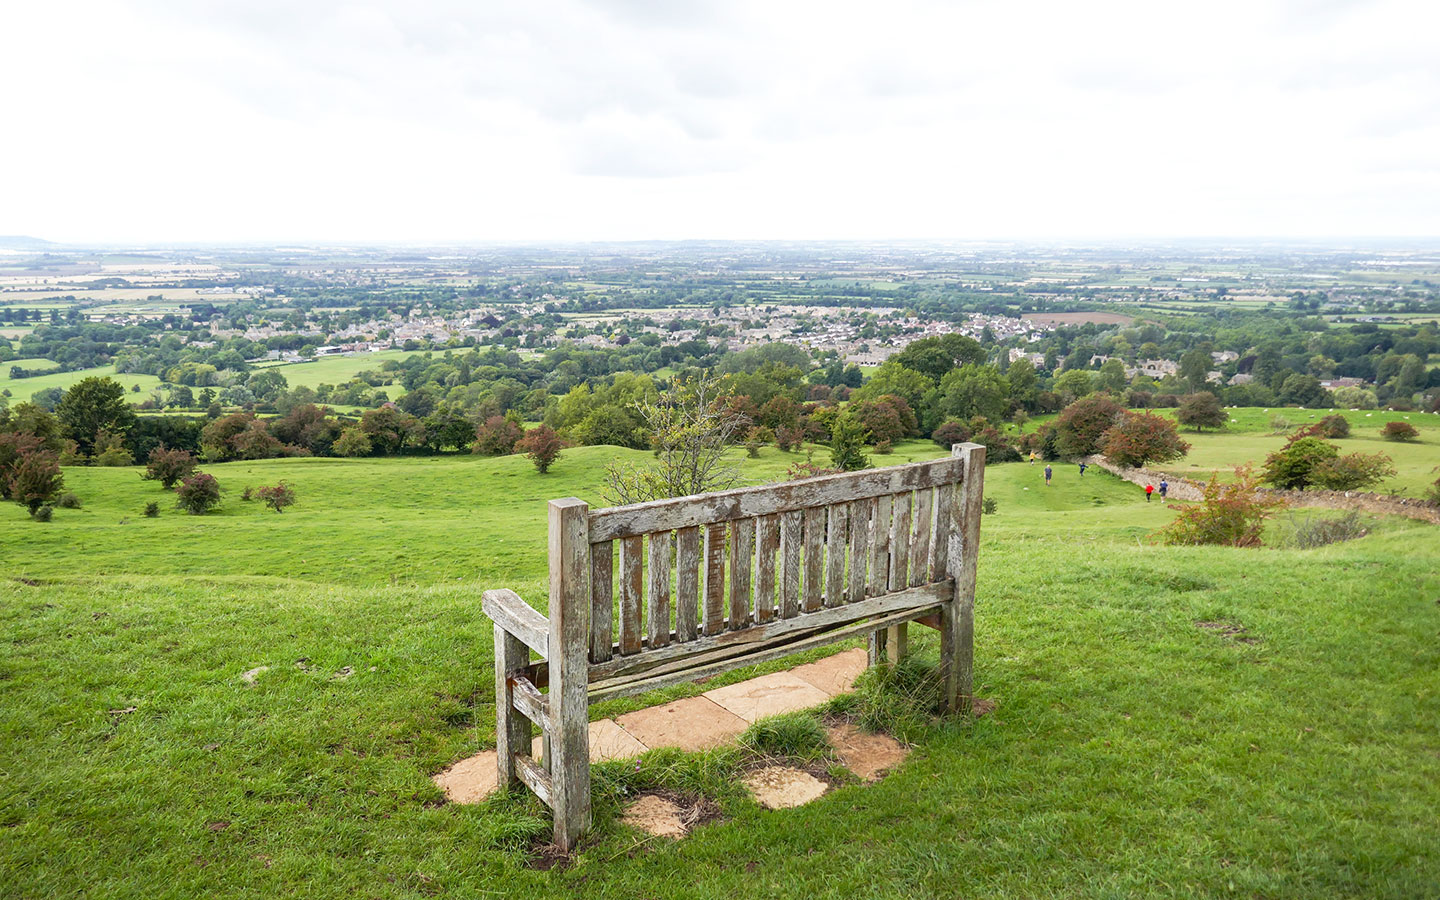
458,121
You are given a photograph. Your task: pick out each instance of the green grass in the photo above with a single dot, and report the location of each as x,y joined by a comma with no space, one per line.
340,369
1132,753
24,388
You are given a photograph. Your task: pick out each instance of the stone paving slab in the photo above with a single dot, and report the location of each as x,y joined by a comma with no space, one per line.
867,755
836,674
608,741
768,695
695,723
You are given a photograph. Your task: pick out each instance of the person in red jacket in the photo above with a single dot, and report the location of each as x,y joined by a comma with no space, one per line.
1149,489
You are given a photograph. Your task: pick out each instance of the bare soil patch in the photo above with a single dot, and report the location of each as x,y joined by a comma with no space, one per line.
784,787
666,814
869,756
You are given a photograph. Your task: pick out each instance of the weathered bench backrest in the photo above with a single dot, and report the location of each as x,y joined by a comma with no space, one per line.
669,573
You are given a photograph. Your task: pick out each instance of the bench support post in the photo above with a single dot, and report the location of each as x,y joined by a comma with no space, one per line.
512,730
957,618
568,753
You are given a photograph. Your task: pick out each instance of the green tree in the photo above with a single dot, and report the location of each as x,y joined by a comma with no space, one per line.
971,391
35,479
1111,376
1073,385
542,446
847,445
933,357
352,442
90,405
1138,439
894,378
1081,427
1293,466
1195,369
1024,386
1201,410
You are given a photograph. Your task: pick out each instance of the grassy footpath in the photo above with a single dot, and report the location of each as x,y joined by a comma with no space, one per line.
1133,753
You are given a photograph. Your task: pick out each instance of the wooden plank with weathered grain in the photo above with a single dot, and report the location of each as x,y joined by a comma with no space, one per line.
657,593
602,600
687,584
512,730
742,561
838,517
920,541
678,655
632,558
940,544
957,618
899,541
506,609
792,542
570,598
745,503
530,702
535,778
814,558
859,556
767,542
880,547
714,620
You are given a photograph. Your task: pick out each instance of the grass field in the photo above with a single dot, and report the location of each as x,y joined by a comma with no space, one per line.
23,388
340,369
1132,754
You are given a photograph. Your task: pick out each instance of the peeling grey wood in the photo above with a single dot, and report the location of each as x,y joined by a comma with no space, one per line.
570,600
742,555
714,578
792,531
632,554
506,609
925,597
835,538
920,542
657,595
814,558
745,503
512,730
535,778
859,555
767,542
531,703
602,610
957,618
687,584
899,541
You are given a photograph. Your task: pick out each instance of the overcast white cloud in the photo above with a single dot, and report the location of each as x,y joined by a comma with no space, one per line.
435,120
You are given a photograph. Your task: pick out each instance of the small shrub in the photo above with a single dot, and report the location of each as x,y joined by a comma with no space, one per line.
33,478
114,457
1399,431
1334,427
808,469
277,497
152,509
248,494
1352,472
884,448
497,436
1279,424
1317,531
789,437
1230,514
168,466
44,513
752,448
198,494
68,501
949,434
542,446
989,506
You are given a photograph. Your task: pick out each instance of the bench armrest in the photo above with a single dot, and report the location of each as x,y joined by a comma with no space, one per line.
508,611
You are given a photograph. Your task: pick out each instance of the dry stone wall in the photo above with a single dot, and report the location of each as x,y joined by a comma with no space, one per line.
1182,488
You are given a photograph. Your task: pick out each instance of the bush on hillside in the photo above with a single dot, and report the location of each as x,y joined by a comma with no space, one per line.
542,446
1334,427
1201,410
1141,438
1399,431
152,509
1352,472
1291,467
278,496
168,466
1080,429
1317,531
950,433
1232,514
198,493
497,436
68,501
35,479
43,514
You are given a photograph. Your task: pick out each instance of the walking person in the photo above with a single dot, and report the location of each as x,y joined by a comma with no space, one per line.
1082,468
1048,473
1164,486
1033,456
1149,489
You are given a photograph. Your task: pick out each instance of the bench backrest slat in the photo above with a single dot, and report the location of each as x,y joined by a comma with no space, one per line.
724,562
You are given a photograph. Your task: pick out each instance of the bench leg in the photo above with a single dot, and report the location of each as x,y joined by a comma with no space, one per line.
512,730
957,653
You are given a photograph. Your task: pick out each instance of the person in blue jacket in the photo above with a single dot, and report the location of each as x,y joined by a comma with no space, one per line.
1048,473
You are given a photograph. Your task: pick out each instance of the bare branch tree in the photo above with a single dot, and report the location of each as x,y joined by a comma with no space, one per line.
691,428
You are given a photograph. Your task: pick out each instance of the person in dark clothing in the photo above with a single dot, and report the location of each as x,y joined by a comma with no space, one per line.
1047,473
1164,487
1082,468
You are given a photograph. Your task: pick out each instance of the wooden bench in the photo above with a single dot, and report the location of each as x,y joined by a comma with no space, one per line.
715,582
